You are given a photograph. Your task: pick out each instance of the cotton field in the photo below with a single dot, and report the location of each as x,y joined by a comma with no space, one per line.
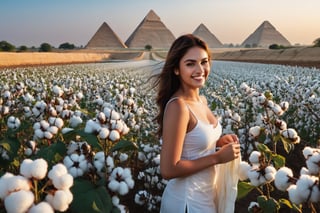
81,138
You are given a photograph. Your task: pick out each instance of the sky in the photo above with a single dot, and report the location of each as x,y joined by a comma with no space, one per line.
33,22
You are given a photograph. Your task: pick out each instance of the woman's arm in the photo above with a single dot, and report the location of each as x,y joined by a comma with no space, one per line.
175,125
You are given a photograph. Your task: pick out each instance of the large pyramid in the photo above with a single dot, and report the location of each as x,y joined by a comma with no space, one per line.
105,38
151,31
204,33
264,36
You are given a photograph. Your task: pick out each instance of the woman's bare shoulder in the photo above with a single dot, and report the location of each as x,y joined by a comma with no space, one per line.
176,106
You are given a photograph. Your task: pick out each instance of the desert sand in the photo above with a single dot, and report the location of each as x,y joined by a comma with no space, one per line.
302,56
298,56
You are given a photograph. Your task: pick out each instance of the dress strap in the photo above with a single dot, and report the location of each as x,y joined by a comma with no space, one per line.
175,98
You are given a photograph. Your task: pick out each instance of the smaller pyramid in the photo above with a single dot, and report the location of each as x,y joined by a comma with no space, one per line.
204,33
151,31
264,36
105,38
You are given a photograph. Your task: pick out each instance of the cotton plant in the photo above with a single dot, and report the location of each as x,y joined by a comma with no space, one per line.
35,189
305,188
152,183
260,172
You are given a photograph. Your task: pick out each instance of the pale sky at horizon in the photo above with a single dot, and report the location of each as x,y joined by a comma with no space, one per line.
33,22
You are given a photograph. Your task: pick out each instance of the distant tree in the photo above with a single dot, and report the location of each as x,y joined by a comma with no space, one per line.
45,47
316,42
67,46
148,47
6,46
23,48
254,45
274,46
277,47
247,46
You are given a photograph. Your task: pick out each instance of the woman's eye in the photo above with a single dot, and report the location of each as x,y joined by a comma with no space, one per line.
190,64
204,62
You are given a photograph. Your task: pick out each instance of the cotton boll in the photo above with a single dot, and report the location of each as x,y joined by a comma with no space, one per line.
111,114
92,127
110,163
284,105
253,175
307,152
315,193
294,195
290,134
3,184
253,205
254,131
113,185
277,110
280,124
130,182
19,202
123,157
57,90
16,183
123,188
47,135
141,156
98,165
27,111
141,197
104,133
282,178
39,169
25,168
36,125
243,170
313,163
59,123
68,162
63,182
41,208
53,130
60,201
270,172
57,171
304,185
254,157
75,121
114,135
44,124
304,171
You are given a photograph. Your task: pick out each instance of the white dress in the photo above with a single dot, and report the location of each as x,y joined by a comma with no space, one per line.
194,193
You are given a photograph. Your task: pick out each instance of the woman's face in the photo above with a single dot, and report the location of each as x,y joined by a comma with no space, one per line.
194,68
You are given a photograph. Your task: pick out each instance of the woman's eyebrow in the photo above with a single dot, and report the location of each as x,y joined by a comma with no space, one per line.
194,60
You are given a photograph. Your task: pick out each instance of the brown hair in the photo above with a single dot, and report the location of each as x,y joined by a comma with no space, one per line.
168,83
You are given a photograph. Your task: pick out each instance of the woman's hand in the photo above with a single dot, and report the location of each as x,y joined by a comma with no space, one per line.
228,152
226,139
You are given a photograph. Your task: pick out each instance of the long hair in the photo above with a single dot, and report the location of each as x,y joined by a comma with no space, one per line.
168,83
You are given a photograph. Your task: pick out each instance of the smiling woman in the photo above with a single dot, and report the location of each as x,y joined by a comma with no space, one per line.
190,132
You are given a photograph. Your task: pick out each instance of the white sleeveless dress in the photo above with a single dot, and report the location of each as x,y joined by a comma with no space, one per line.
194,193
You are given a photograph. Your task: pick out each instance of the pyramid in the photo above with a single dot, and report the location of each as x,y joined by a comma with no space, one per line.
151,31
204,33
266,35
105,38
